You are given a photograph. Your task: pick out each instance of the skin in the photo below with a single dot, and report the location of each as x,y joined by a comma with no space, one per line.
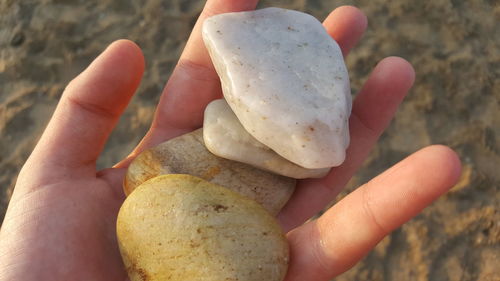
60,224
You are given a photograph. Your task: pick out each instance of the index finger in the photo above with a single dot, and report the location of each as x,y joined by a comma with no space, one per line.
192,85
199,55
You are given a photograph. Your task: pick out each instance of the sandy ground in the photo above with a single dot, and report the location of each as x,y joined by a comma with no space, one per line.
454,46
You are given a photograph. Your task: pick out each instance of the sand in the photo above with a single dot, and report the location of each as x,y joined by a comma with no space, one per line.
454,46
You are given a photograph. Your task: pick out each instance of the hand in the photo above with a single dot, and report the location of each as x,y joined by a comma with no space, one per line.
60,224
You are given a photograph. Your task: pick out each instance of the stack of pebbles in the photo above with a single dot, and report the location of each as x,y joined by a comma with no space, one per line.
284,117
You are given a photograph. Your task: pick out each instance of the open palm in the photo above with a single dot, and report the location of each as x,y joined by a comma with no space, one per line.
60,224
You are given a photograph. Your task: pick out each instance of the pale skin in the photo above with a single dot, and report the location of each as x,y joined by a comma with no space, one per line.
60,224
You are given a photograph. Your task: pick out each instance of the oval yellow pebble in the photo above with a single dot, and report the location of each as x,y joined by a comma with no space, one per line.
180,227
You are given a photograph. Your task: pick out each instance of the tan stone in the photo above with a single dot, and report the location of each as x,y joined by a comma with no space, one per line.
187,154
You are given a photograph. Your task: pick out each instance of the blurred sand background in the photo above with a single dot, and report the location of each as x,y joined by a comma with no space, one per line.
453,44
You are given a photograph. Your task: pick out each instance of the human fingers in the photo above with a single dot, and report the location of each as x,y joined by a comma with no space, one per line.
330,245
372,112
346,24
192,85
87,112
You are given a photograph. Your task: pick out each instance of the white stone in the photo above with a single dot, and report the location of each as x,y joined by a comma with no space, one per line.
286,81
225,137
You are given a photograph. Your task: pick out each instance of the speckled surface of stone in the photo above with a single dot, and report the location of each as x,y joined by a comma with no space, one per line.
286,81
225,137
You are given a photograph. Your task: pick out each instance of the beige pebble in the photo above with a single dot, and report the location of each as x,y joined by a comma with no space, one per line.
225,137
187,154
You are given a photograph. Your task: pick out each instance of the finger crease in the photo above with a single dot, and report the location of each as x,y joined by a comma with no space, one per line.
196,71
369,211
318,250
91,108
369,130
